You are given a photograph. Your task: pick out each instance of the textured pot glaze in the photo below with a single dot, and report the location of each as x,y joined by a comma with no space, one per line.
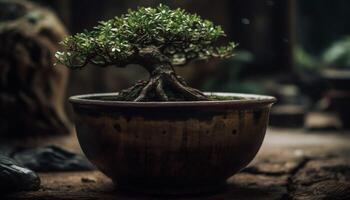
171,147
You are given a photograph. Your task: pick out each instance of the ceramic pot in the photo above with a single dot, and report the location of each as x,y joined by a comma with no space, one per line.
171,147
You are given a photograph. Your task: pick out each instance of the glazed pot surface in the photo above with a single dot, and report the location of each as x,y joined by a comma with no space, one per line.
171,147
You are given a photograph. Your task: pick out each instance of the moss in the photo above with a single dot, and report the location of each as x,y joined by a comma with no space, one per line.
174,98
225,98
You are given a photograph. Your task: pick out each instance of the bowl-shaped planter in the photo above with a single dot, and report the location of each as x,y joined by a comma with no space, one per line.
171,147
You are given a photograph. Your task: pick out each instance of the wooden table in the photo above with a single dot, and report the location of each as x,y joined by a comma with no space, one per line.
292,164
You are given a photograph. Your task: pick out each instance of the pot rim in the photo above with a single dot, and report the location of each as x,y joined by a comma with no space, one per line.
252,99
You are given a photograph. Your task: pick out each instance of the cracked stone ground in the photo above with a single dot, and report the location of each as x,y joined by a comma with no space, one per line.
291,164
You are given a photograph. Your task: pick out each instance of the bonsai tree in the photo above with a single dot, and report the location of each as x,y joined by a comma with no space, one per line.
157,39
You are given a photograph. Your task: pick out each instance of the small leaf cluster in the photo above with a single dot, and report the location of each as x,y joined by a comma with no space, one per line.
338,54
180,36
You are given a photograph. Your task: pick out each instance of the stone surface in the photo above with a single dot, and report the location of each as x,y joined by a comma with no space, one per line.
14,177
51,158
322,179
276,166
68,185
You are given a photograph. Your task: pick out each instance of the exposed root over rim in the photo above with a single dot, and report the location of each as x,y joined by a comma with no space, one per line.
165,86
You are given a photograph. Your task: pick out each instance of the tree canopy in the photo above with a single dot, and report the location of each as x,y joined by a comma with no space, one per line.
176,34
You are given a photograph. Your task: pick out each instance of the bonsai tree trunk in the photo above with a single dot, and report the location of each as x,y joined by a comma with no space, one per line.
163,84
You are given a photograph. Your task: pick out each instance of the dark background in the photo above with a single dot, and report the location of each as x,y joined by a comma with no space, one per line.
267,31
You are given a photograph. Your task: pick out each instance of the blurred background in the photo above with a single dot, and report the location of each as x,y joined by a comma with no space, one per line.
290,49
295,50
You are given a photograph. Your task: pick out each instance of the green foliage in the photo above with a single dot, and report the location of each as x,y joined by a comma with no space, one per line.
178,35
228,76
338,55
304,60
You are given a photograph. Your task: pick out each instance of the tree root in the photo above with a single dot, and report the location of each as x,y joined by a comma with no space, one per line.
165,86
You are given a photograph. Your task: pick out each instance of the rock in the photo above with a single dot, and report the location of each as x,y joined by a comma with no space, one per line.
52,158
14,177
32,94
